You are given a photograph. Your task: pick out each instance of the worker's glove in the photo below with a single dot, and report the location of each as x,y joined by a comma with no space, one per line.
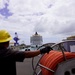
46,50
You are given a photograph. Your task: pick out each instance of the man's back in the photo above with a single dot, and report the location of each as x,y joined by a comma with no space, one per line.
8,59
7,68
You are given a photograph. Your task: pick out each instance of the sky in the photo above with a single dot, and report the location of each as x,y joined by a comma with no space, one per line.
54,20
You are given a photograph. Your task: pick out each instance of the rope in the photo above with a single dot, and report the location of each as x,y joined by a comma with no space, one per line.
52,60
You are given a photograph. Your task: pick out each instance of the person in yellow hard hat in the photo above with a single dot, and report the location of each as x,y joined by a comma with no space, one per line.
9,57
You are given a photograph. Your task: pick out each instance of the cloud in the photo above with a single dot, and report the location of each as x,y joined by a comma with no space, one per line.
53,19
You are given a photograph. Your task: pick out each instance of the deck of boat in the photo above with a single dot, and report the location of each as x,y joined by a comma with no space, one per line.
25,67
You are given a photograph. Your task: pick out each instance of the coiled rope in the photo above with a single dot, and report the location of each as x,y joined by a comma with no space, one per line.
52,60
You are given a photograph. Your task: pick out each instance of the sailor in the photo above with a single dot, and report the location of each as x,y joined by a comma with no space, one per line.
9,57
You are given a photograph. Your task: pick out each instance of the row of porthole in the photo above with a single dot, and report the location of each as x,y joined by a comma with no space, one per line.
68,72
27,49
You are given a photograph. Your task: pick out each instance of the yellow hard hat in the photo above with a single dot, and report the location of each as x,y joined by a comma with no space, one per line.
4,36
